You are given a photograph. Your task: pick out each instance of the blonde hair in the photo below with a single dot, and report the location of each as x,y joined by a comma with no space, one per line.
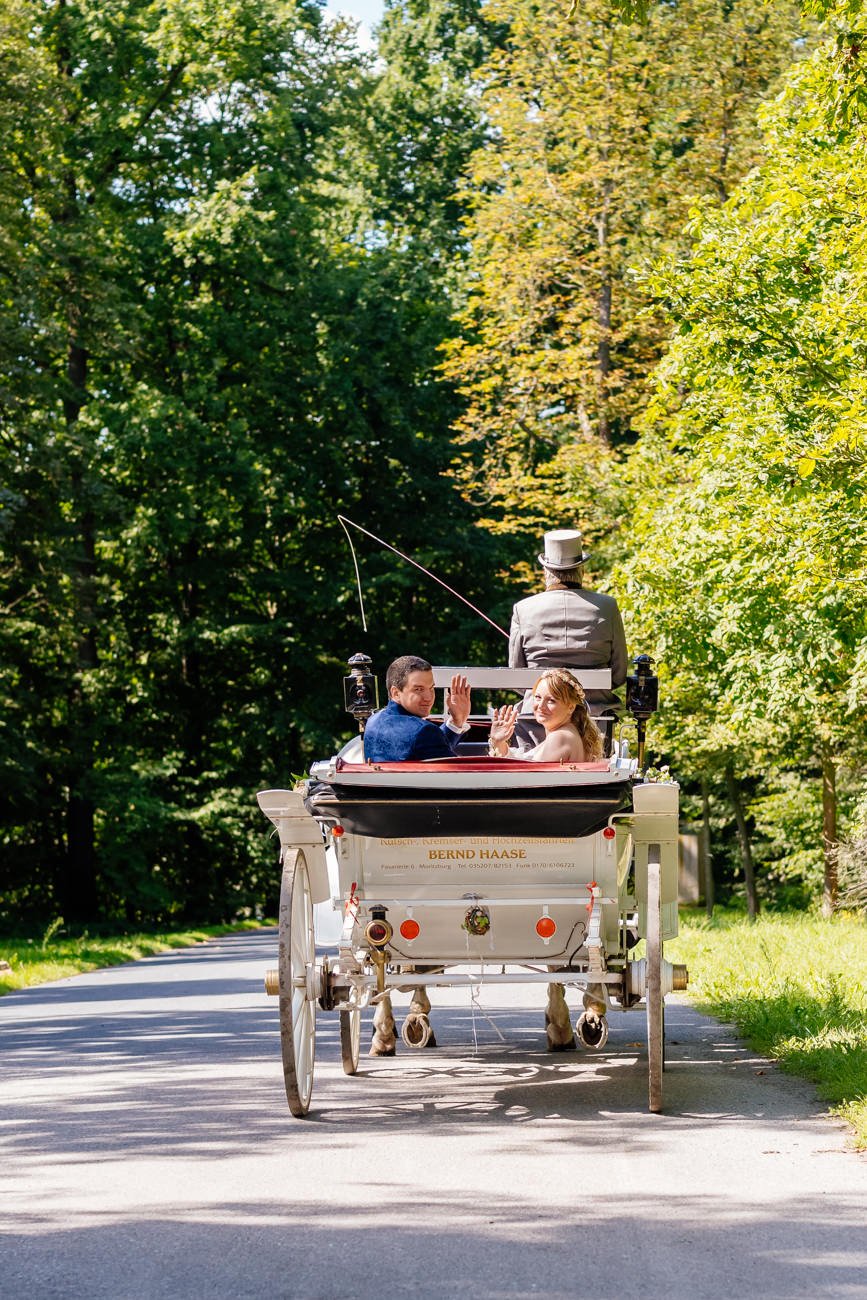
568,690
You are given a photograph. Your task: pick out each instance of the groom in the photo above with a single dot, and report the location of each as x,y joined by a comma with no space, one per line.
401,732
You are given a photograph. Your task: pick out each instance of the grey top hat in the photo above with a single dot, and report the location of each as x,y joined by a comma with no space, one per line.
563,550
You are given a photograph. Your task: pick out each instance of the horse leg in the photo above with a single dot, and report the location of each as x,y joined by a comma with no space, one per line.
384,1042
558,1026
594,1000
417,1023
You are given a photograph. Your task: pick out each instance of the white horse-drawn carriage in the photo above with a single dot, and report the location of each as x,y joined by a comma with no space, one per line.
454,871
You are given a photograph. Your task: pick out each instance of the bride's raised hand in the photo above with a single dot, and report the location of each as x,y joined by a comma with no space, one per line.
503,724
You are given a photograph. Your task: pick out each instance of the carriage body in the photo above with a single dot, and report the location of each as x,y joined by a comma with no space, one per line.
446,872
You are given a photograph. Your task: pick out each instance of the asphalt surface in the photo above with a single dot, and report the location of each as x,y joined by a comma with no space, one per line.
148,1152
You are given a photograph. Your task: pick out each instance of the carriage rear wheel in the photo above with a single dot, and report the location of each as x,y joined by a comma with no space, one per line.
297,965
350,1039
653,993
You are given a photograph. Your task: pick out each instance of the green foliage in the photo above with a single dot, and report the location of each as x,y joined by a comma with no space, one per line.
212,344
232,250
796,987
602,136
748,575
787,822
143,214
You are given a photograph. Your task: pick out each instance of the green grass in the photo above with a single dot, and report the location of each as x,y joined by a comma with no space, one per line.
53,956
796,987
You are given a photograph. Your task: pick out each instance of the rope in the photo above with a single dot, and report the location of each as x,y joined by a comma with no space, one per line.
475,1004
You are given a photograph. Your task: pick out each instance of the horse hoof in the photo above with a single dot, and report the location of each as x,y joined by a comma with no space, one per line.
382,1051
571,1046
417,1032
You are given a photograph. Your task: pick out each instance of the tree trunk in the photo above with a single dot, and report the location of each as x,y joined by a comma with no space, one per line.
78,886
603,219
830,843
197,865
704,841
604,352
80,846
744,841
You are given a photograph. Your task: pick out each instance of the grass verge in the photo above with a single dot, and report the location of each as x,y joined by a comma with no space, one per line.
796,987
54,956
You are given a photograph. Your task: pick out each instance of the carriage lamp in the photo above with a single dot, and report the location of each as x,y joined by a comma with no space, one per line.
360,695
642,688
378,931
642,698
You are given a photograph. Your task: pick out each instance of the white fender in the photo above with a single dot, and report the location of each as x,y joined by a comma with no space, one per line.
298,830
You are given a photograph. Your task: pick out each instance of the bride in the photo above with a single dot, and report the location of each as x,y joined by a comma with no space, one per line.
571,735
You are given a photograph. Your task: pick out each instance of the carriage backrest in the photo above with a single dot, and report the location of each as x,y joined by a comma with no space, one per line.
519,679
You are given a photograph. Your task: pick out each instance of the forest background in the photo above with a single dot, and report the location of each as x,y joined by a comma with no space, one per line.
524,265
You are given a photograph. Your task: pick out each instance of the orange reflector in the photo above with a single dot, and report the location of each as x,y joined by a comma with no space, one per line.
337,831
410,929
609,833
545,927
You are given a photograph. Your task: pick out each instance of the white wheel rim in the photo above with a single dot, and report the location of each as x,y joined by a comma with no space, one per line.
653,992
302,960
297,982
355,1030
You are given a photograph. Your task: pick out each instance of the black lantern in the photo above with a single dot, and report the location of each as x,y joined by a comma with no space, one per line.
360,696
642,698
642,689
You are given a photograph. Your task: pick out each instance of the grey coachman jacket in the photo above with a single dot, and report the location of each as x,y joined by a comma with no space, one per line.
570,628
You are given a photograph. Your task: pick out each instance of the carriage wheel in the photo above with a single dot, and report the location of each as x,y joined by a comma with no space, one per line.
350,1039
297,963
653,993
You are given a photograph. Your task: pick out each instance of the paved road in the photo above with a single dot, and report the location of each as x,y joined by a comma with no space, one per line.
148,1152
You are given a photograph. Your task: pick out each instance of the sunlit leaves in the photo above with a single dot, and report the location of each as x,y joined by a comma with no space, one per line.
604,133
750,572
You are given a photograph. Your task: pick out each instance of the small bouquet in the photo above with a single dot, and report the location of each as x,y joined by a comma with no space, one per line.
659,775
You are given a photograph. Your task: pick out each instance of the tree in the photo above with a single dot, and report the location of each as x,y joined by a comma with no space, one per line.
750,570
144,141
221,333
602,135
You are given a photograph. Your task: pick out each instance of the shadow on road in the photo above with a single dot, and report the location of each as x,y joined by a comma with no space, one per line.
435,1248
153,1155
152,1056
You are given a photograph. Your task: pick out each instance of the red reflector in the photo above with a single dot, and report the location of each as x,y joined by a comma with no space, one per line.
337,831
545,927
377,932
410,929
609,833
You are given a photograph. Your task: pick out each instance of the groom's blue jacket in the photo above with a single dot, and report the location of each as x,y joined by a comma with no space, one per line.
396,736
